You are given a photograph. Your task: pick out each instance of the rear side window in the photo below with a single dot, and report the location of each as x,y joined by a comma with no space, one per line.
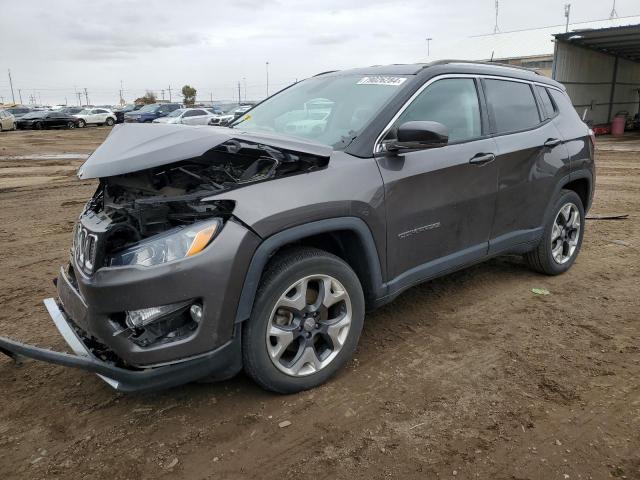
547,104
452,102
513,105
564,104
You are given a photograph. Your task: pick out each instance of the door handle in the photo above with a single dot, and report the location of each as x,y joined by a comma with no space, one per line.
552,142
482,158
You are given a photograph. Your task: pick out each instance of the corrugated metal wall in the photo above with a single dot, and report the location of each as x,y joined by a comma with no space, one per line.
588,76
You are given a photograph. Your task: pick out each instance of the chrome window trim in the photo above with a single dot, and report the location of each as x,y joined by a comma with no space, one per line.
377,146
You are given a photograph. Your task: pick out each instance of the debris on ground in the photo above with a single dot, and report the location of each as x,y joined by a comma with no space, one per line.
284,424
622,216
540,291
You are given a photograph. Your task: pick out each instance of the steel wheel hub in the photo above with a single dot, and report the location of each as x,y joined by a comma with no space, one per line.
308,325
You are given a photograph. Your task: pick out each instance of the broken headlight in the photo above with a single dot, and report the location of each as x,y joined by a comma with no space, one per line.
172,245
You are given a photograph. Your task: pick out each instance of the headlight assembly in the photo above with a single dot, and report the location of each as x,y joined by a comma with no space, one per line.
172,245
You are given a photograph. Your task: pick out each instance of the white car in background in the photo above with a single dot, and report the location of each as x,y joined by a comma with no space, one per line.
96,116
187,116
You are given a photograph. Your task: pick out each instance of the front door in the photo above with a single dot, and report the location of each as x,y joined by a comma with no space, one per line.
440,202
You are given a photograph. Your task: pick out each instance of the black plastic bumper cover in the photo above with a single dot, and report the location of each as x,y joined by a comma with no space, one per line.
219,364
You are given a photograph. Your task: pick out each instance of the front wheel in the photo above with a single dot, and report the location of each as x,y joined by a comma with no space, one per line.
305,323
71,125
109,122
82,124
38,126
562,236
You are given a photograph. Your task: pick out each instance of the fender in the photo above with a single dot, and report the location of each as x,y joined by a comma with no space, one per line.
579,174
271,244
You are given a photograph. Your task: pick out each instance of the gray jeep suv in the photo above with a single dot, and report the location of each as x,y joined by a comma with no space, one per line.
206,250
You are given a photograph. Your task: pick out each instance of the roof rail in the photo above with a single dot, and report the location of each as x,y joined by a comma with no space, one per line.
324,73
477,62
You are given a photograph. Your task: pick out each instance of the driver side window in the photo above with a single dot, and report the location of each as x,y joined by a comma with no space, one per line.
452,102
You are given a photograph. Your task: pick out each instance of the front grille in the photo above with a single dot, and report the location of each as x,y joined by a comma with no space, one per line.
85,247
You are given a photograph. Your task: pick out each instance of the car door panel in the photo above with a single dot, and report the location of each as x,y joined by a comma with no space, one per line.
528,172
438,204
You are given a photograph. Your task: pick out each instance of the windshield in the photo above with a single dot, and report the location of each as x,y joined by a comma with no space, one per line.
329,109
34,115
176,113
149,108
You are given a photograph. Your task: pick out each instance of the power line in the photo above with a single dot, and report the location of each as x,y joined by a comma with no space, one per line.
613,13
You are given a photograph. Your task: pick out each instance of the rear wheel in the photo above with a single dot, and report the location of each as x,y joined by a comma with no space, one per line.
71,125
109,122
82,123
562,236
38,126
305,323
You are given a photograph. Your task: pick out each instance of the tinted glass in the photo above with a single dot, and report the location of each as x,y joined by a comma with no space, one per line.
563,103
547,104
452,102
513,104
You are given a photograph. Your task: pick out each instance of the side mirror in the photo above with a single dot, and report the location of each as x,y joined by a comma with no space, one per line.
419,135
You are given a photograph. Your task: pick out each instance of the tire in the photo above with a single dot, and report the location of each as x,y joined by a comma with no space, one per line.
82,123
109,122
71,125
38,126
544,258
334,336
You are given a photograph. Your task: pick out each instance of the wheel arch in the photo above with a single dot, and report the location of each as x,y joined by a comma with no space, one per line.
347,237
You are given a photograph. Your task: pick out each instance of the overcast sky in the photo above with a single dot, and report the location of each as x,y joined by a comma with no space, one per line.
55,47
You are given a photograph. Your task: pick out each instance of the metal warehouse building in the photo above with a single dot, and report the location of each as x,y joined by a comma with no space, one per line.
600,69
597,61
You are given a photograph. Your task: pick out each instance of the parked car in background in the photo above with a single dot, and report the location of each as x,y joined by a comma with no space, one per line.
72,110
149,113
18,112
187,116
46,119
230,115
7,121
95,116
129,107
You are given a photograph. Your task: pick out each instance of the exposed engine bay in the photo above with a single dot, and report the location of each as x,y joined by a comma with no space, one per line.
130,207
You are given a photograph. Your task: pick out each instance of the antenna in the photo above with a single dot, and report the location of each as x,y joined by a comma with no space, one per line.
613,13
495,27
567,12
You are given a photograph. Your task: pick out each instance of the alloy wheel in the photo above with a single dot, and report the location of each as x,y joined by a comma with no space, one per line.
565,233
309,325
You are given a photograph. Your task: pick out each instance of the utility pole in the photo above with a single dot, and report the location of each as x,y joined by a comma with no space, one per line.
86,95
20,95
11,83
495,27
239,98
613,13
121,97
429,45
567,12
79,95
169,92
267,78
211,98
244,81
162,92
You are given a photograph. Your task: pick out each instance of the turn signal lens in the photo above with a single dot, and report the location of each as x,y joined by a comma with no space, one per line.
202,239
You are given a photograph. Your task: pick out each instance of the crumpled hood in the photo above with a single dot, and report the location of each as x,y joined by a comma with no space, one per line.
134,147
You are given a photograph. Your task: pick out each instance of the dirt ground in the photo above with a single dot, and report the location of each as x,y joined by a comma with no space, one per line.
469,376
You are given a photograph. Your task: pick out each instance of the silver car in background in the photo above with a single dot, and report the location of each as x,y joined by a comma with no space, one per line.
187,116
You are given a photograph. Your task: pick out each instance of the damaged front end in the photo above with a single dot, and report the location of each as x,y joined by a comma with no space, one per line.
142,291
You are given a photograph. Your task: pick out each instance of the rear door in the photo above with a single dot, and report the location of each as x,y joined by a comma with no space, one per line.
531,155
439,202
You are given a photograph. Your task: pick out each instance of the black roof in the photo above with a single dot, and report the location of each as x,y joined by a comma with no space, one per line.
450,66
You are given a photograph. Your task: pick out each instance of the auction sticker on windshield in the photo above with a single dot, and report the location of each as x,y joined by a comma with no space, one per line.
382,80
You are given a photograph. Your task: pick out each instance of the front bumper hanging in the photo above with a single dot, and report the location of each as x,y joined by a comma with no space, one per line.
222,363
